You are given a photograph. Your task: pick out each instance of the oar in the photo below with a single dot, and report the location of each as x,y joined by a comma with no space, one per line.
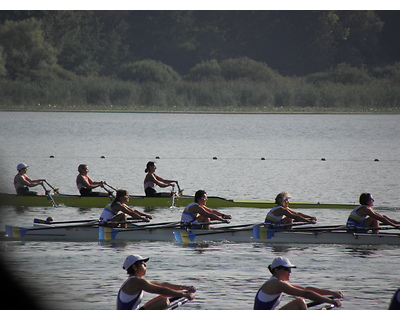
317,303
189,237
178,301
110,193
55,190
115,189
187,225
153,226
172,198
47,192
372,228
181,236
319,228
41,221
294,224
108,233
180,191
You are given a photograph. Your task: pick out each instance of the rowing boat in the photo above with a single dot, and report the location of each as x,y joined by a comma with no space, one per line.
143,201
170,231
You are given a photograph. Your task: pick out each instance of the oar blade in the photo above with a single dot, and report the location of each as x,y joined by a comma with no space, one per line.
15,232
107,233
181,236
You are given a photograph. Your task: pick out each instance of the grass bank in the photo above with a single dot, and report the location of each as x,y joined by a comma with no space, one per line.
285,95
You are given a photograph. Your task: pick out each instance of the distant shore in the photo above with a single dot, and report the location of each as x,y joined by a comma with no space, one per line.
232,110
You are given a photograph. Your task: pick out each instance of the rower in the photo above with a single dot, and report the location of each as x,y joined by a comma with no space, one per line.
283,215
364,217
22,182
198,213
130,294
117,210
86,185
269,295
152,180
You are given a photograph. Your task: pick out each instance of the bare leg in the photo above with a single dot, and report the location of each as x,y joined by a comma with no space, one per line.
158,303
204,220
121,217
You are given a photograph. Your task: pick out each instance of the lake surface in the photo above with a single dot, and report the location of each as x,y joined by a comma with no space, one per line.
117,146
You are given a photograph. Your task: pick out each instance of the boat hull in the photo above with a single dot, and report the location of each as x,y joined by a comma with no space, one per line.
142,201
256,234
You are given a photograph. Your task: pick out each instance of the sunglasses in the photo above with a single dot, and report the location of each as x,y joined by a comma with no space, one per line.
285,269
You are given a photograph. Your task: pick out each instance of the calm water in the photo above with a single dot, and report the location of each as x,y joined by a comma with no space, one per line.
227,275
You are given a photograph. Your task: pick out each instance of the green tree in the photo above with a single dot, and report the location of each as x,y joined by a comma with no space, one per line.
148,71
3,71
27,54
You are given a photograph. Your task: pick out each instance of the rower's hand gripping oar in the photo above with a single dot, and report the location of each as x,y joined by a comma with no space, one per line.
176,302
329,306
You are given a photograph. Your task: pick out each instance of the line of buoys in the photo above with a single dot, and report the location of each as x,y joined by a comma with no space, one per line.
262,158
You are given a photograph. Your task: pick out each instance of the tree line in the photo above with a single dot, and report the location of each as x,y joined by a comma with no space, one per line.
178,50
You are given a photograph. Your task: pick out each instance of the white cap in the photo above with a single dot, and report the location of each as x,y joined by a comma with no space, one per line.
281,262
22,166
130,260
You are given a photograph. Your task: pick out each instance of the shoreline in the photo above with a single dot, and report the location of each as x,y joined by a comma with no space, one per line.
201,110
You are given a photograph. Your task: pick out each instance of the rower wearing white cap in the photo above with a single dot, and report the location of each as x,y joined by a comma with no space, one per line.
130,294
270,294
22,182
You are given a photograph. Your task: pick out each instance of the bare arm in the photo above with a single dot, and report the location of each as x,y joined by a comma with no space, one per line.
156,288
89,184
131,212
212,214
382,218
28,181
158,180
298,216
306,293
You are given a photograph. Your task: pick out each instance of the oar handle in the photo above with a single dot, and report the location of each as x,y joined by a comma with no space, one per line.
317,303
54,189
115,189
110,193
179,301
275,225
186,224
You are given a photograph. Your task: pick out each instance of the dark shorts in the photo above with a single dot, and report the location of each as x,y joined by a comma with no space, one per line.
24,191
88,193
150,192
